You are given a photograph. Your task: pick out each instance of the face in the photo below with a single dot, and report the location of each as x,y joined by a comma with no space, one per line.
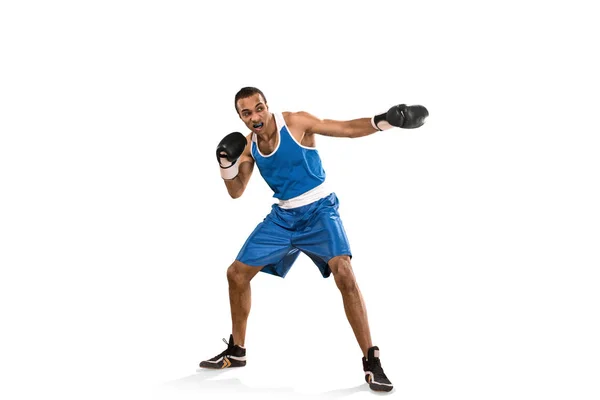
254,112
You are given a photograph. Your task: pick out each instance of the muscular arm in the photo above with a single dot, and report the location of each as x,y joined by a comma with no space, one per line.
310,124
236,186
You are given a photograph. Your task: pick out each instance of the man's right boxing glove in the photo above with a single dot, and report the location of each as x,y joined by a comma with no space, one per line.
229,150
401,116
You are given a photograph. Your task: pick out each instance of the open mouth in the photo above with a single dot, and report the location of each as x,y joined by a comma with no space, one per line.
258,127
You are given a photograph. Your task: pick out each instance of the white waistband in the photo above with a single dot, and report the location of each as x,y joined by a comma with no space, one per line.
305,198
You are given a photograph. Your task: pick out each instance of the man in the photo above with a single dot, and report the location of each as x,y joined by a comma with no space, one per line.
306,217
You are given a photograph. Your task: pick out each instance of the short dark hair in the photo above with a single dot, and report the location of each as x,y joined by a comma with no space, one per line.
247,92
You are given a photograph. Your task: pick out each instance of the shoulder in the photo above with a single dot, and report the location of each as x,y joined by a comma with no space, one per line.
248,148
302,119
296,114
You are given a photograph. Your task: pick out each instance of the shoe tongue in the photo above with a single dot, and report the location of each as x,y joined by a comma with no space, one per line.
374,352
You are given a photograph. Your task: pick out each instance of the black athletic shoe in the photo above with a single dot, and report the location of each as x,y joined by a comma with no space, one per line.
374,374
233,356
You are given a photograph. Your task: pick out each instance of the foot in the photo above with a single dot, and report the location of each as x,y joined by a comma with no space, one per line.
233,356
374,374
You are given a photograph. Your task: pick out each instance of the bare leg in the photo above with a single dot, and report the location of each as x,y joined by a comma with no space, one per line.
239,276
354,305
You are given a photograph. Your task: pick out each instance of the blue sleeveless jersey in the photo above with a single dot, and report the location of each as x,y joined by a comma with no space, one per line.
291,169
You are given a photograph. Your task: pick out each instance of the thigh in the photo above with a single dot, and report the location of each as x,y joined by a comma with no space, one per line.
324,237
268,244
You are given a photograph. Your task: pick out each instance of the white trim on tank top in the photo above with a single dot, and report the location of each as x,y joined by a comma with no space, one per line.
279,124
280,121
258,149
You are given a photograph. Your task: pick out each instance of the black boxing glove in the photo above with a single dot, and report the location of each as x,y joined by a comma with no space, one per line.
229,150
401,116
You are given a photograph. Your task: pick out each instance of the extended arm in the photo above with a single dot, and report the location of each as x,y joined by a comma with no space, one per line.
401,116
328,127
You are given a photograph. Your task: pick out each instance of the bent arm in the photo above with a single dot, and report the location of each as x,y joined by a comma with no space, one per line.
236,186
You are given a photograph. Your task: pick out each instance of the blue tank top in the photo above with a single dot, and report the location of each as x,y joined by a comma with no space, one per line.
291,169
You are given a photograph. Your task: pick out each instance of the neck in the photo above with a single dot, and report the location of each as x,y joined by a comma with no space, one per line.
270,130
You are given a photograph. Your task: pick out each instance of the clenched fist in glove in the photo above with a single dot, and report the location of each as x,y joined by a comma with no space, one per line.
401,116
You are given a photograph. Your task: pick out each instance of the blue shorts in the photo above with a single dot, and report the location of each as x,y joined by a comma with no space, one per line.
314,229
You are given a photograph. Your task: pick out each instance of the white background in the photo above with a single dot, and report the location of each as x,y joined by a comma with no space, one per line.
475,237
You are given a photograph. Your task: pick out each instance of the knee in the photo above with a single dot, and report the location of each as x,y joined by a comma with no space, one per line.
343,275
235,277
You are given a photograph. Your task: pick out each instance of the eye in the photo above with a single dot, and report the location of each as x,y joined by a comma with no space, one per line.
259,109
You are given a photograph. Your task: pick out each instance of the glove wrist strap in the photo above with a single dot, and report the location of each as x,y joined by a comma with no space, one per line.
380,123
230,171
